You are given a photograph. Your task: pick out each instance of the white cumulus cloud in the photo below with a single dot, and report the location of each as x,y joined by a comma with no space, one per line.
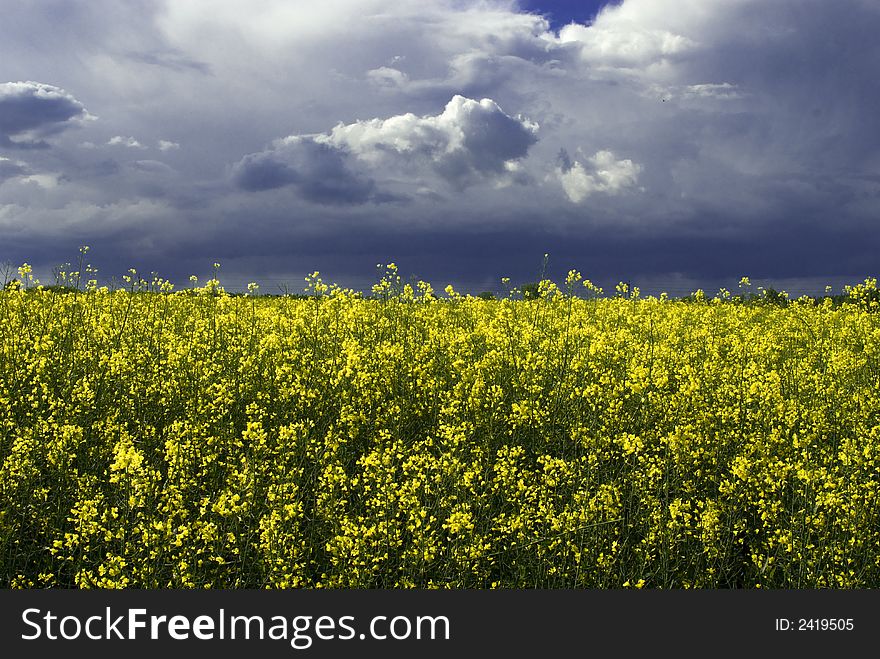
467,142
469,139
128,142
603,172
624,45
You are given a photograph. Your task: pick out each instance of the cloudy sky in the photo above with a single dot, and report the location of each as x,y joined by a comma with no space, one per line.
670,143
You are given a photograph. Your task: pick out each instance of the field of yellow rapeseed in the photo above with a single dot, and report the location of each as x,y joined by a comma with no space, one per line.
191,439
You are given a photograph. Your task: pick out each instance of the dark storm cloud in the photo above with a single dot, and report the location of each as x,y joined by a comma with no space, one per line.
261,171
318,171
685,141
476,258
33,111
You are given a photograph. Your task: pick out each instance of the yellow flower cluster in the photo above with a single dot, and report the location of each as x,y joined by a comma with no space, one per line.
197,439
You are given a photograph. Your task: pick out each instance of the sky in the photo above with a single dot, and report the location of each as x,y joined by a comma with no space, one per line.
562,12
672,144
